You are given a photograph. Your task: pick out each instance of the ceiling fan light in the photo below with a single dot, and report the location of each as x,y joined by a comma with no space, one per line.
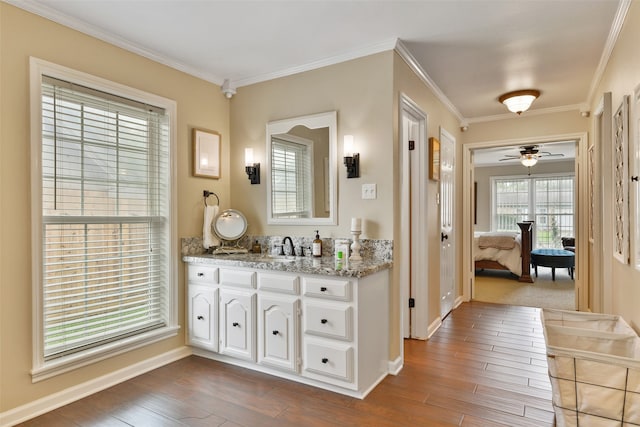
528,160
520,100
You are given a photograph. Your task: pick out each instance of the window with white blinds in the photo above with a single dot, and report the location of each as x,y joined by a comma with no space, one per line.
291,177
105,169
547,200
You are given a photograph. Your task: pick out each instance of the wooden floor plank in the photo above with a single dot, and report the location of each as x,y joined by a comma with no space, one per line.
486,366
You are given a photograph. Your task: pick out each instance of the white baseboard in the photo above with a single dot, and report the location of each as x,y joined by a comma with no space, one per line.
77,392
395,366
433,327
459,300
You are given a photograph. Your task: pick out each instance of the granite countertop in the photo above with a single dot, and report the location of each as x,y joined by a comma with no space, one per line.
308,265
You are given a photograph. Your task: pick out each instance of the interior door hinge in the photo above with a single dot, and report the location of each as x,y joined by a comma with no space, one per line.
412,302
412,145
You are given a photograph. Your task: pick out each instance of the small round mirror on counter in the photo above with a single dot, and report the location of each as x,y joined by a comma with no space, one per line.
230,225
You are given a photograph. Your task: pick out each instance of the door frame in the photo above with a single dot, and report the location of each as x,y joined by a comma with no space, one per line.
581,205
416,222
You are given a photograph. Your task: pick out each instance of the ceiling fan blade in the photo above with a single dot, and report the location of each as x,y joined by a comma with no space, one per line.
552,155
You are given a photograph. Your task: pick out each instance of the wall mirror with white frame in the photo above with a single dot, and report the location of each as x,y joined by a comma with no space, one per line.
302,170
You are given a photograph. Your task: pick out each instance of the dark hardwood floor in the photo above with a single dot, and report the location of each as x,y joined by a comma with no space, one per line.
485,366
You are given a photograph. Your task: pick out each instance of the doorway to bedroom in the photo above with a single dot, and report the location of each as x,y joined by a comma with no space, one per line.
531,181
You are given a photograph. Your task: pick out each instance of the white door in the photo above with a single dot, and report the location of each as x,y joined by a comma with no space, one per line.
447,218
412,248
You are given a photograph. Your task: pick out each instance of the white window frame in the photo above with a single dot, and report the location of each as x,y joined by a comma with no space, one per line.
45,369
531,198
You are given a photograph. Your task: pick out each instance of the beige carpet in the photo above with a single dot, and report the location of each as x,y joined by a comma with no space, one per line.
503,288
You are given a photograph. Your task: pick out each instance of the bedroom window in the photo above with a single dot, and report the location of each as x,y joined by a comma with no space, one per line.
292,177
547,200
104,188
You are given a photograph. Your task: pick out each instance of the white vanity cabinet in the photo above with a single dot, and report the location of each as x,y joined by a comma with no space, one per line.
237,323
279,321
323,330
202,313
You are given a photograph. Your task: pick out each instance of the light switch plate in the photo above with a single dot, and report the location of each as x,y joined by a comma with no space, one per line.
369,191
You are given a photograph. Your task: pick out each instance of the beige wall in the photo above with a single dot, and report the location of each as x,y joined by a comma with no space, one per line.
526,126
407,82
483,176
200,104
621,77
360,92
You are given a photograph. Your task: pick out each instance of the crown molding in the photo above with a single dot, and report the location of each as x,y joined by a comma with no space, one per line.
404,53
538,112
46,12
612,39
371,49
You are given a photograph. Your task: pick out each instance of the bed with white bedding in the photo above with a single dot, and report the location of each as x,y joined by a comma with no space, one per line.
504,251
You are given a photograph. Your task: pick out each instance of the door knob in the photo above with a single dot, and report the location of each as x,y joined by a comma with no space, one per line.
443,236
236,324
325,360
275,332
200,317
323,321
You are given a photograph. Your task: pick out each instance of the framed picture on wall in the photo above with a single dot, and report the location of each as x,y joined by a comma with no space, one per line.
434,159
206,153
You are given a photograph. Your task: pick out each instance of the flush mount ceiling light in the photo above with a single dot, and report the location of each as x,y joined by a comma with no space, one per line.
519,100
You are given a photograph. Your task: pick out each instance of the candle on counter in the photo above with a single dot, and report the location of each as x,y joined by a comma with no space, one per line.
356,224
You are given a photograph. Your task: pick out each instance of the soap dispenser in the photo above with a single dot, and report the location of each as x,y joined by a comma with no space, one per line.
317,246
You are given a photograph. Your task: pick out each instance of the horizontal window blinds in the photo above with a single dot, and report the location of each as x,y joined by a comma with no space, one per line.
292,179
105,217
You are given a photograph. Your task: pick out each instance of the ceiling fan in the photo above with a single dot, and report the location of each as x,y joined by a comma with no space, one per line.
529,155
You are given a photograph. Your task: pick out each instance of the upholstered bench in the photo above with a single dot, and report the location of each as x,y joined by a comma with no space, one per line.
554,258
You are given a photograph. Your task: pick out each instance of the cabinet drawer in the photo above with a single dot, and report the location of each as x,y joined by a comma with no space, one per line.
329,289
239,278
280,283
333,321
329,359
204,274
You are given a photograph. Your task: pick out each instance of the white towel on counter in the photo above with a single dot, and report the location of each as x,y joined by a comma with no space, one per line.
208,238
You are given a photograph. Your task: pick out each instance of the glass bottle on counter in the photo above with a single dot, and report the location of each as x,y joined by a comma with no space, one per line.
317,246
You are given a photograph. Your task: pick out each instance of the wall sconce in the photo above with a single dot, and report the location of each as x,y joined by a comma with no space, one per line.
252,169
351,159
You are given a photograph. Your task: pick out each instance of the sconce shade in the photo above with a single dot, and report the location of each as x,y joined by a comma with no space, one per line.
248,156
348,146
519,100
529,160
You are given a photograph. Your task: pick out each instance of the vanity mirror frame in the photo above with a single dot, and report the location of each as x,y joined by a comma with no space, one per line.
313,121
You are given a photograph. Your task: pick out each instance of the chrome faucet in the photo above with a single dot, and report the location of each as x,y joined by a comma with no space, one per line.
284,242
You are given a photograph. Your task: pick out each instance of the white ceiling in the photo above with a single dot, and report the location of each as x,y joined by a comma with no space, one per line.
472,51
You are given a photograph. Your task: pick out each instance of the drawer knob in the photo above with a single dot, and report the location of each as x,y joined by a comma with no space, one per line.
200,317
236,324
323,289
200,274
325,360
275,332
323,321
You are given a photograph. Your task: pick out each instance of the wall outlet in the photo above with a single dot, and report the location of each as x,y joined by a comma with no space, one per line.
369,191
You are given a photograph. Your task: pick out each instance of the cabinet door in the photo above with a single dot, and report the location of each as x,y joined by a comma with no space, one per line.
278,331
237,323
203,317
